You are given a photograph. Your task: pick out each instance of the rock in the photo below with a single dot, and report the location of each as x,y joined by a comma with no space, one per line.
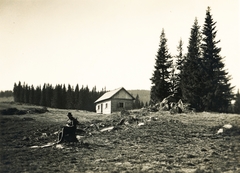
227,126
107,129
25,138
140,124
203,149
220,131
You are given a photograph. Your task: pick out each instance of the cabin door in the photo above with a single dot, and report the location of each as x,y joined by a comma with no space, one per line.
101,107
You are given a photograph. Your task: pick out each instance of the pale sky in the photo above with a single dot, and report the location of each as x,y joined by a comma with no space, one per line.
104,43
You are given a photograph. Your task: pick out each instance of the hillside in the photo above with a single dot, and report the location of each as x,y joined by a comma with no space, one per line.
144,95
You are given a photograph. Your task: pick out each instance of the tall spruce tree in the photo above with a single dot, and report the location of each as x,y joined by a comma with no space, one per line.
31,95
161,76
191,83
69,97
49,94
180,59
237,103
43,101
217,89
76,97
37,95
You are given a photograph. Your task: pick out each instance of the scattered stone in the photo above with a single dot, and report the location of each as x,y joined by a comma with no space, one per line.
25,138
220,131
59,146
203,149
107,129
227,126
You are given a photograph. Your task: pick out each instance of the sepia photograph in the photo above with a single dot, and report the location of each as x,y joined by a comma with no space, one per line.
128,86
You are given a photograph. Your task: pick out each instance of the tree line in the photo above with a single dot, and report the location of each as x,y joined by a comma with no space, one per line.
198,77
57,97
7,93
61,97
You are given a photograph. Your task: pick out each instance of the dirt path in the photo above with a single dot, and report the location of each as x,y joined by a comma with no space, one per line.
163,143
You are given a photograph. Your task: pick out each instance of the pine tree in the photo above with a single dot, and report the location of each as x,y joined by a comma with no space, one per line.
237,103
57,93
63,97
85,99
49,95
70,98
180,60
15,92
26,93
161,76
76,97
136,103
20,92
218,90
192,69
31,95
37,95
43,101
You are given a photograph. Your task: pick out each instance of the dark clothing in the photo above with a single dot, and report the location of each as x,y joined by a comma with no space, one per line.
69,130
73,122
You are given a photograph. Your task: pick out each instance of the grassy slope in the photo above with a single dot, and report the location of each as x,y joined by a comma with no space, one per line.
144,95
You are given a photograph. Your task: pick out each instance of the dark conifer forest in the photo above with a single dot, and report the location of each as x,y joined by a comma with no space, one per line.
199,77
58,96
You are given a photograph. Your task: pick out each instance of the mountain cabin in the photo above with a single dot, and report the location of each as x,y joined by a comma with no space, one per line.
115,100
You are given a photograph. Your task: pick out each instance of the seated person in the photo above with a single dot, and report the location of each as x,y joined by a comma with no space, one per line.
69,130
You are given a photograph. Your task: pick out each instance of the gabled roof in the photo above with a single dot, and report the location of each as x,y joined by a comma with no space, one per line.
110,94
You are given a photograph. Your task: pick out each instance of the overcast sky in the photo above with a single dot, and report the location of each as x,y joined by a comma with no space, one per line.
107,43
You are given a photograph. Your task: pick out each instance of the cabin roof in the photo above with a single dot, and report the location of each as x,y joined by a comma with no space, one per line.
110,94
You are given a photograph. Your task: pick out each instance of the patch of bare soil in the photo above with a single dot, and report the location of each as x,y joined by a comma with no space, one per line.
153,142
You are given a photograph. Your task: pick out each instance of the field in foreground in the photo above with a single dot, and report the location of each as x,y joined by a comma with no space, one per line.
145,142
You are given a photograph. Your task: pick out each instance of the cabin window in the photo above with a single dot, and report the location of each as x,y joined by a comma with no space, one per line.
120,105
98,107
106,106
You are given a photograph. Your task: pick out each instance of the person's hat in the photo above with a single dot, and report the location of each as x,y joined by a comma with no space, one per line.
69,114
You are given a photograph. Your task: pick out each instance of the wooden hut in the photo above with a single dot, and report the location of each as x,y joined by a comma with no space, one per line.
115,100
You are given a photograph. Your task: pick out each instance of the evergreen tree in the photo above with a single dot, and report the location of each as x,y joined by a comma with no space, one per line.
20,92
161,76
146,104
136,103
31,95
25,93
70,98
56,100
85,99
15,92
237,103
180,60
49,95
191,72
218,90
37,95
43,101
63,97
93,98
76,97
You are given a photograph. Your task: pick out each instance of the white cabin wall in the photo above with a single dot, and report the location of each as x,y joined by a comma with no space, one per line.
106,107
